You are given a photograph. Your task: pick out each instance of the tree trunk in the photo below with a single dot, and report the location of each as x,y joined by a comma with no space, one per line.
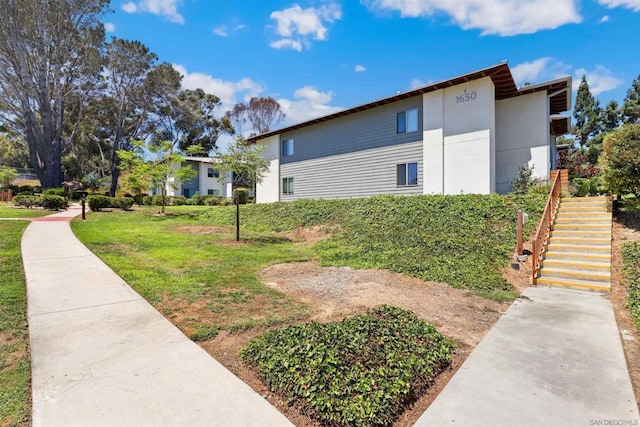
164,200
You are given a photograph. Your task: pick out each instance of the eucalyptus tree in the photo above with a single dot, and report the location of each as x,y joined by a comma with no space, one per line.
44,52
125,102
261,113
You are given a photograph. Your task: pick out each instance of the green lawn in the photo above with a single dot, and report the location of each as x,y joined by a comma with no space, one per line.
14,337
196,274
8,210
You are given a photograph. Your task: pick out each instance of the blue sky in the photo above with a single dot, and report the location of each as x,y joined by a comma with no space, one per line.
316,57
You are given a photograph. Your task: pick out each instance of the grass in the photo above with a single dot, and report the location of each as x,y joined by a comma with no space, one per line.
631,268
463,241
8,210
362,371
15,373
198,276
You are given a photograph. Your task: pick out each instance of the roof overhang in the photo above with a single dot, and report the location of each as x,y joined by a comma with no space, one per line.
559,91
560,124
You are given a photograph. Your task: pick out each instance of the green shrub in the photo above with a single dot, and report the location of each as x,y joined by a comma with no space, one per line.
24,193
243,195
362,371
631,268
620,160
197,199
524,181
147,200
25,189
213,200
177,200
53,202
98,202
28,201
580,187
541,189
55,192
123,203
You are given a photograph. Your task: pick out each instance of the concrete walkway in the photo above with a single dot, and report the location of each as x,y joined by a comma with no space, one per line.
102,356
554,359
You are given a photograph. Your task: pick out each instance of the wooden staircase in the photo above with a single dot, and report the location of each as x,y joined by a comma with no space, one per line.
578,254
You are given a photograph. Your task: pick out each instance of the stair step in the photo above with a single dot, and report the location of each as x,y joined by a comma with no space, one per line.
604,234
571,226
582,220
592,241
566,264
579,256
576,284
562,247
598,276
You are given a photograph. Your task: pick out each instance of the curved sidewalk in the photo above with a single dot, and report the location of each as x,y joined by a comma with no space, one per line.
102,356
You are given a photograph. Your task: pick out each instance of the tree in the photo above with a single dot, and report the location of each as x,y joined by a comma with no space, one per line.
620,160
243,164
7,175
586,114
42,51
162,171
126,101
187,118
610,119
262,113
631,104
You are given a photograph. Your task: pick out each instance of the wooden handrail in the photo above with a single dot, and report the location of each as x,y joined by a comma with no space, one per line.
544,228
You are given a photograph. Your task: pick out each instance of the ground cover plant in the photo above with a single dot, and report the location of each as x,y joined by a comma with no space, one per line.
631,268
14,338
196,275
463,240
362,371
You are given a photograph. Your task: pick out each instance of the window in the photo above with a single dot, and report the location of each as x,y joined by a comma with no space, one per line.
287,185
212,173
211,192
407,121
287,147
407,174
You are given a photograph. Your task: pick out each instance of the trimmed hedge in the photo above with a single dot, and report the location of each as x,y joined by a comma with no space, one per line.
362,371
28,201
53,202
97,202
631,268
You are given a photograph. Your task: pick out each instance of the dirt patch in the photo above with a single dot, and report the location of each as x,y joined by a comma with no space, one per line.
333,293
626,228
311,235
200,230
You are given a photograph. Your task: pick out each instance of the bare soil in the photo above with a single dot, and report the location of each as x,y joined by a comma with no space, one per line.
333,293
626,228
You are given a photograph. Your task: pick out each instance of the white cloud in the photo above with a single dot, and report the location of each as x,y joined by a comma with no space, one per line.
225,31
109,27
221,31
629,4
417,83
501,17
599,79
529,71
166,8
359,68
604,19
296,25
287,43
229,92
312,95
130,7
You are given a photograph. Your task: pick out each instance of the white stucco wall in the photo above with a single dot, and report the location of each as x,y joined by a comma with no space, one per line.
206,183
522,137
459,139
268,191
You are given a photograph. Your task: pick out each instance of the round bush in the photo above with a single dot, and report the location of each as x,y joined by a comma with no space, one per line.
53,202
27,201
97,202
123,203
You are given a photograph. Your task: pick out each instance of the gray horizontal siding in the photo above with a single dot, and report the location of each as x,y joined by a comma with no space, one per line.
362,174
374,128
